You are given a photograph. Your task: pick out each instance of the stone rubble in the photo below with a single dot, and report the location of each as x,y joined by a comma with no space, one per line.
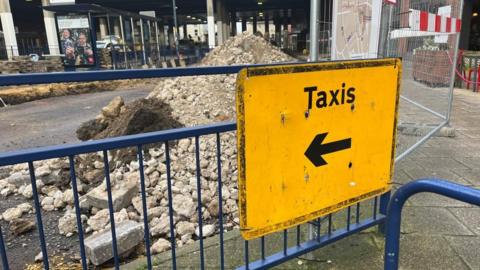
195,101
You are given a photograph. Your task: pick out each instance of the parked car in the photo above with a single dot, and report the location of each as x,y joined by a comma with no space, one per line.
108,41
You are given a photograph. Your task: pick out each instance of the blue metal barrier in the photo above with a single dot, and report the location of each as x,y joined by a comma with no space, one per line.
437,186
267,259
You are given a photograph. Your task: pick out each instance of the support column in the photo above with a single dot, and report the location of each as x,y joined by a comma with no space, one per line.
210,24
116,27
185,32
285,29
254,24
122,36
233,23
143,42
171,38
225,20
8,29
157,39
219,12
244,24
267,27
314,18
278,31
103,27
50,29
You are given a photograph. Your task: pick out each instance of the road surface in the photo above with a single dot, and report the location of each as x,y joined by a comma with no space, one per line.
54,120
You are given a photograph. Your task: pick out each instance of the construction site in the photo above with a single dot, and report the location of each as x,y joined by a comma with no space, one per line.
130,149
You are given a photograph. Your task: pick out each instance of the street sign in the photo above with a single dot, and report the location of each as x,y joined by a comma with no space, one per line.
313,139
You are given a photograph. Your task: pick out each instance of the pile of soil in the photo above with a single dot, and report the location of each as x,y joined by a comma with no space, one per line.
140,116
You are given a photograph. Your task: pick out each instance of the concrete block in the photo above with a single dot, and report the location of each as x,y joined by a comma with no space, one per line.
98,247
122,194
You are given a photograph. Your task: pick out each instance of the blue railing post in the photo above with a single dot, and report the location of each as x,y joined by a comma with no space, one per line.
384,199
437,186
3,251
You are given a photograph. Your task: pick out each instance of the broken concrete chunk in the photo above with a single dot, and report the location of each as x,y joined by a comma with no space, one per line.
122,195
98,247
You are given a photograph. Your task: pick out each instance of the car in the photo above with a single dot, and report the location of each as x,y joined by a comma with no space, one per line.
108,41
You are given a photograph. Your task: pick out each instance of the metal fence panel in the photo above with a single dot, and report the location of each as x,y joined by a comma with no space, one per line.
292,242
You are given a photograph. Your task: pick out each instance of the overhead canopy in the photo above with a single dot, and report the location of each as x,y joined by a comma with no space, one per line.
96,9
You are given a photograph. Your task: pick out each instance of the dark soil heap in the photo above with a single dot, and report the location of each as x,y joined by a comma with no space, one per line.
140,116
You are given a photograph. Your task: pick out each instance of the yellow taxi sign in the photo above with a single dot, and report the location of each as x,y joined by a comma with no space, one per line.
313,139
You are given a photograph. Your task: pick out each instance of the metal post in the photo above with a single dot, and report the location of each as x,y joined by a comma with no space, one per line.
454,67
133,40
175,35
143,42
122,34
111,45
314,16
158,42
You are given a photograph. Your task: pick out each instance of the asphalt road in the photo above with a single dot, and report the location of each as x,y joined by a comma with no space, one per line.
54,120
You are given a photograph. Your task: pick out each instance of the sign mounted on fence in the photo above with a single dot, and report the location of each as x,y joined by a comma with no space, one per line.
313,139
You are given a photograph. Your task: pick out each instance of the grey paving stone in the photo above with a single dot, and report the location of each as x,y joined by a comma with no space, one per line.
434,200
470,217
434,163
442,173
428,253
468,248
472,176
470,162
432,221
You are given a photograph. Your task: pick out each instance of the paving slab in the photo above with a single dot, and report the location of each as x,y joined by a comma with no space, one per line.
419,251
468,248
470,217
432,221
438,172
472,176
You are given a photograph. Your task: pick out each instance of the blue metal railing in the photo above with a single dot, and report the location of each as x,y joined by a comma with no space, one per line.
378,210
437,186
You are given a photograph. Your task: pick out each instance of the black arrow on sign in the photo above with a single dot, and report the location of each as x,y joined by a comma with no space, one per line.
317,149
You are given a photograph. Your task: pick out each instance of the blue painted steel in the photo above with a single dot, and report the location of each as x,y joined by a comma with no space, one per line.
49,152
262,247
357,215
3,251
246,253
144,206
73,178
108,75
111,210
348,217
329,224
309,246
220,202
38,215
170,205
437,186
199,201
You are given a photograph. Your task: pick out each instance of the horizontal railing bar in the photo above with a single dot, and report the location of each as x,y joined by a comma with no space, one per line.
107,75
48,152
312,245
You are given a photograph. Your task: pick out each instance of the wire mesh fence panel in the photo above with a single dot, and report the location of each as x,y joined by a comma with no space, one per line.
424,33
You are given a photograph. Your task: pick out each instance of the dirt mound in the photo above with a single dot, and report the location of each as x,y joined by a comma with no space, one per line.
140,116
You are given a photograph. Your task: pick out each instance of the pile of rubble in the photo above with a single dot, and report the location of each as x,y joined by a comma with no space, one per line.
191,101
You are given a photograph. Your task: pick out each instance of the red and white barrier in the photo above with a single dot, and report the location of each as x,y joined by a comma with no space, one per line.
429,22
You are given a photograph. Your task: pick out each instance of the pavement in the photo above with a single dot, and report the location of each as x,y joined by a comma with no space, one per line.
437,233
